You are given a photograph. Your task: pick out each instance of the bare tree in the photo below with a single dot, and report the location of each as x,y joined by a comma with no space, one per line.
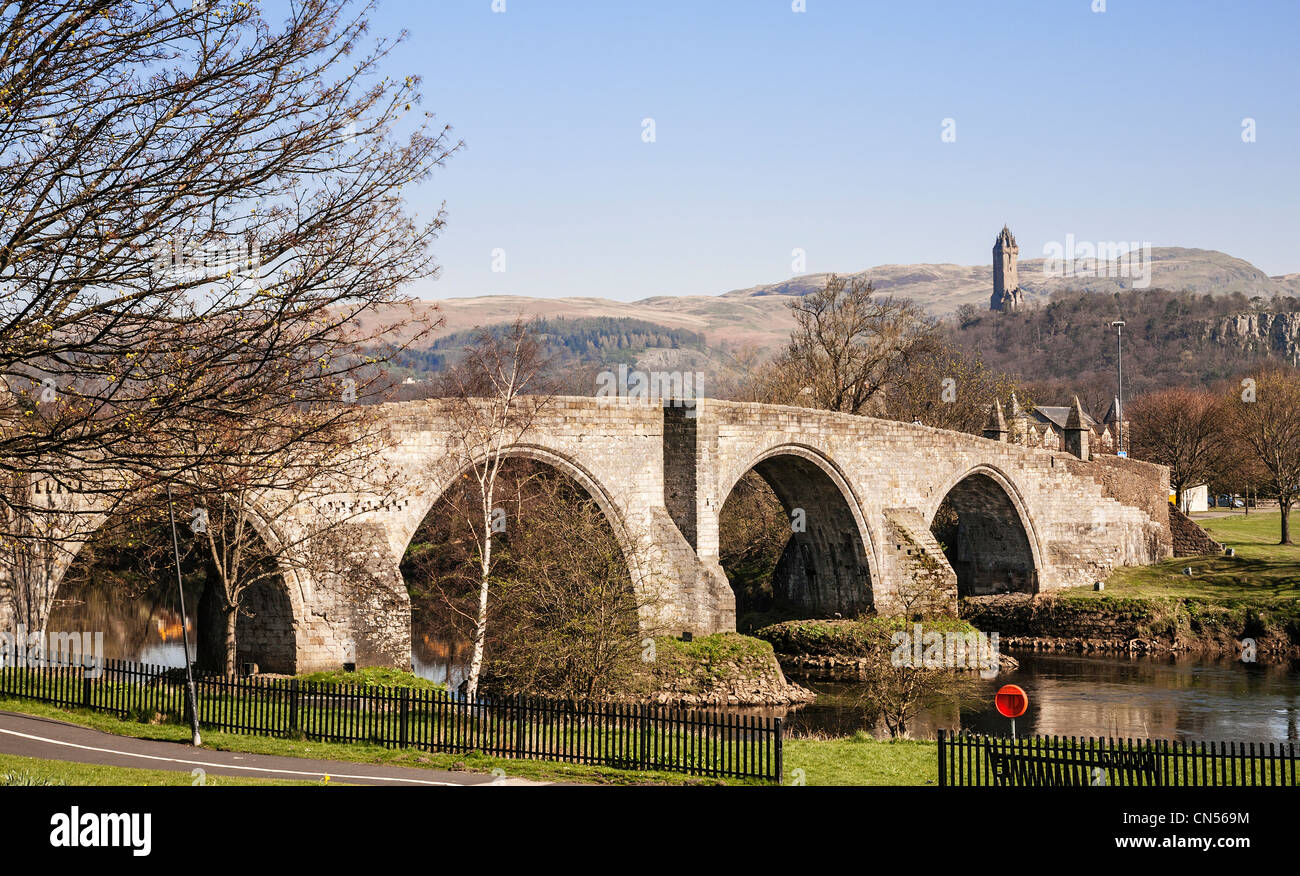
190,197
947,388
35,548
1184,429
1264,419
848,344
495,392
568,620
753,530
263,501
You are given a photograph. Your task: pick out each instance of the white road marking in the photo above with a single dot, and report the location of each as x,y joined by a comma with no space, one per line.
220,766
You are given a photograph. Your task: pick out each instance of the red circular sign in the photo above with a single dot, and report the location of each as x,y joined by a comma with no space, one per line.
1011,701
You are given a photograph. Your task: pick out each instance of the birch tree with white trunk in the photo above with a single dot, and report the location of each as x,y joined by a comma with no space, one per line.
496,391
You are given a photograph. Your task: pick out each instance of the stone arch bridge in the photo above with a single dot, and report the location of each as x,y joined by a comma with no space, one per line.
1029,519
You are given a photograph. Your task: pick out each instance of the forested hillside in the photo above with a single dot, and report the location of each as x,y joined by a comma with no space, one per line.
602,340
1170,339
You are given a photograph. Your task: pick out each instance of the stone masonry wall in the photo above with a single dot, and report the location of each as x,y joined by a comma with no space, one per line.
1188,538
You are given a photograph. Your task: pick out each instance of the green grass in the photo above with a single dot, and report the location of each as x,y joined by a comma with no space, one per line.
15,770
374,676
1253,594
862,760
715,648
1262,572
1255,534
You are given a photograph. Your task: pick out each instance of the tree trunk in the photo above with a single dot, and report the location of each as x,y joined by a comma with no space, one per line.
231,621
480,625
1286,522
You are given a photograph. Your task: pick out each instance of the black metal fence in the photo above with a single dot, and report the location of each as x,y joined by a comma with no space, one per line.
604,734
1060,761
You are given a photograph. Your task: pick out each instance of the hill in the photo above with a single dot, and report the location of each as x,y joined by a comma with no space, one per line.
757,316
1207,316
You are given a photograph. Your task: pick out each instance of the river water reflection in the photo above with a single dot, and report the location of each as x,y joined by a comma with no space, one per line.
1095,695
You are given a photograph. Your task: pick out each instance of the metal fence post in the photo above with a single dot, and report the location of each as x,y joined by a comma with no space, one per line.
293,704
521,712
943,773
406,710
780,767
645,736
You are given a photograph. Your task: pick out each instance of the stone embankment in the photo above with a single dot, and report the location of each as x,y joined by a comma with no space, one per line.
748,681
723,669
1136,626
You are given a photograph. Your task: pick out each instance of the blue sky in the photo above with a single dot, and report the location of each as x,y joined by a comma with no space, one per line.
821,130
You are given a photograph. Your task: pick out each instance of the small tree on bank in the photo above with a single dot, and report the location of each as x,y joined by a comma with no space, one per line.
495,391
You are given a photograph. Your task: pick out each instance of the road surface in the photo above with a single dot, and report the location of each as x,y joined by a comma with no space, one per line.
49,739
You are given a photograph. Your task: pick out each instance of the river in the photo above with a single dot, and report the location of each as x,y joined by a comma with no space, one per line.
1170,697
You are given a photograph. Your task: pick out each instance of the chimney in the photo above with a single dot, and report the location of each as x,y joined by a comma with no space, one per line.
1076,432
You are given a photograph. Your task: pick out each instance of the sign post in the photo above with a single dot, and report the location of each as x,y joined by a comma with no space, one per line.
1012,701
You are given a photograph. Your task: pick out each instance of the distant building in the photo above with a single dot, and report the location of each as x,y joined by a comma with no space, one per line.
1006,276
1045,425
1195,499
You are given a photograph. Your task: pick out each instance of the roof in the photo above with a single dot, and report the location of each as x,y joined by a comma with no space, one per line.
1110,411
1057,415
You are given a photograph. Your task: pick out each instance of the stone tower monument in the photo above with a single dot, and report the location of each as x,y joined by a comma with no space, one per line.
1006,277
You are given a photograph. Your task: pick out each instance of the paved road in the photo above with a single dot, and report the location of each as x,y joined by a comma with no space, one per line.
57,740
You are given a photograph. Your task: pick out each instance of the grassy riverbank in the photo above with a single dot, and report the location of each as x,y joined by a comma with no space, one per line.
1262,571
17,771
1254,594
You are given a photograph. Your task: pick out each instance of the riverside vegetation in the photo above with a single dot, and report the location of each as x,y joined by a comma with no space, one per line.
1225,600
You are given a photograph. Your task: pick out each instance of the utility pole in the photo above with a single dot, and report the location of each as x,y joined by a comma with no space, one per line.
1118,326
191,699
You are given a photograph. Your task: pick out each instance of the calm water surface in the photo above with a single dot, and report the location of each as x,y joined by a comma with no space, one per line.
1094,695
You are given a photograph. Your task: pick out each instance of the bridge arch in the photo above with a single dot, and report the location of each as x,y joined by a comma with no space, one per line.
994,546
829,563
560,462
270,628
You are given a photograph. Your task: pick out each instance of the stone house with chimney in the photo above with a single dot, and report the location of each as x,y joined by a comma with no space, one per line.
1045,426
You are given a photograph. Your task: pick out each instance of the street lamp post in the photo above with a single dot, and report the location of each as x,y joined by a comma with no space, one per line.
1118,326
192,700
